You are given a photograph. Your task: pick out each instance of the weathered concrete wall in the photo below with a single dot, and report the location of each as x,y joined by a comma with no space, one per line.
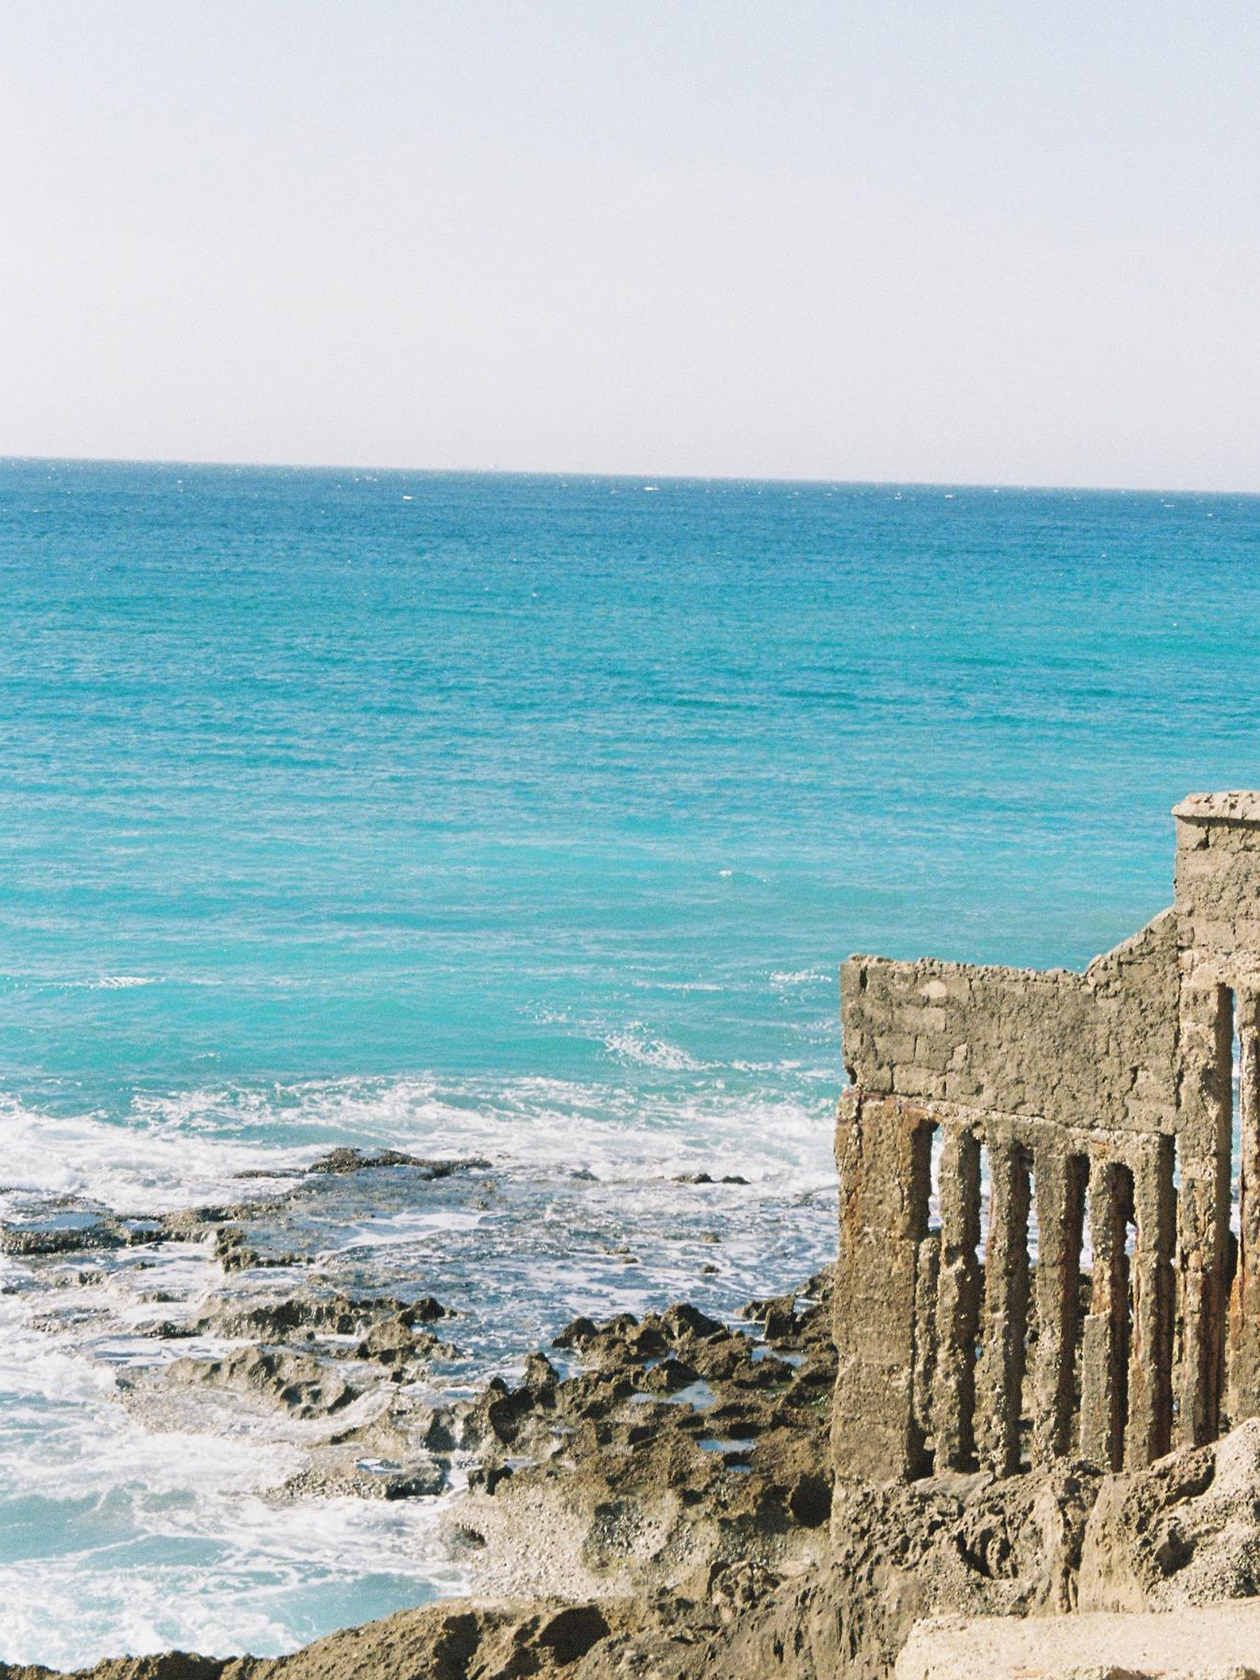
1097,1048
935,1306
1102,1102
1217,885
884,1171
1218,915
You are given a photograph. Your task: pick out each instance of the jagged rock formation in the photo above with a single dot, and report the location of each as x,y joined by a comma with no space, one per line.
664,1511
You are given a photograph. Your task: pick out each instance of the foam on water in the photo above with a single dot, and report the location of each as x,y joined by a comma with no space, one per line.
174,1148
113,1536
158,1163
632,1045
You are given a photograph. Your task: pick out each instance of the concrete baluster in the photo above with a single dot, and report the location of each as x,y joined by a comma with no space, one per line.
1149,1433
957,1301
1061,1182
1104,1342
1005,1326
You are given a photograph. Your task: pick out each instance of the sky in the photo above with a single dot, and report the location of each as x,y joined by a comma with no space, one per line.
991,243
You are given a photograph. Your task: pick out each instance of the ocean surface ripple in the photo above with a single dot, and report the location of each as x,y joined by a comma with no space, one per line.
526,818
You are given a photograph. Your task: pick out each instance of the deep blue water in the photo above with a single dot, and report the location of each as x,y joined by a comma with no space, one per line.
533,816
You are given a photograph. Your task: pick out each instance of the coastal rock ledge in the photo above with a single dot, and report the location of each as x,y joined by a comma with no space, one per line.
665,1488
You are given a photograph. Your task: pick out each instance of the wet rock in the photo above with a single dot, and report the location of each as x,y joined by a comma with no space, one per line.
677,1441
777,1316
383,1323
278,1320
301,1384
427,1310
336,1473
541,1382
434,1429
192,1224
576,1333
496,1417
345,1160
62,1237
669,1376
235,1253
684,1320
397,1341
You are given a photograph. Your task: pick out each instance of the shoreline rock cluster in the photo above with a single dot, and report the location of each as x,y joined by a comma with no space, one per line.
651,1497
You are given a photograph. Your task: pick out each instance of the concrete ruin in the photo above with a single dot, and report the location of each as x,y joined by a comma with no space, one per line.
1098,1110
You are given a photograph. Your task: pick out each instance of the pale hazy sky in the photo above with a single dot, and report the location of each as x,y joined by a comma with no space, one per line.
995,242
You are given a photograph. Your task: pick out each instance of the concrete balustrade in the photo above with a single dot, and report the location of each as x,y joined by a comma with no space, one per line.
1103,1310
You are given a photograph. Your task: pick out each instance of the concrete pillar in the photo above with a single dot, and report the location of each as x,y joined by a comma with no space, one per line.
957,1301
1203,1149
1061,1181
1244,1305
1105,1335
925,1330
1005,1326
883,1152
1149,1432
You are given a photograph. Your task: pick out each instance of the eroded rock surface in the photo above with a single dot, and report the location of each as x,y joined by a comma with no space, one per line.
651,1495
652,1491
1184,1532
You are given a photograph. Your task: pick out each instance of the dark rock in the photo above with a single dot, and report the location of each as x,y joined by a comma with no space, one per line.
65,1238
684,1320
581,1330
541,1380
669,1376
346,1160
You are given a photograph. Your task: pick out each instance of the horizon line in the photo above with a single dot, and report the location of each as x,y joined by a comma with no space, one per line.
588,473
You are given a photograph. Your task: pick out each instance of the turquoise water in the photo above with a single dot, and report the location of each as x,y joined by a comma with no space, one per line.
528,817
371,773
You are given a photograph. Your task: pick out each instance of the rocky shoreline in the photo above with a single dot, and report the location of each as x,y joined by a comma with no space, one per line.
627,1455
652,1496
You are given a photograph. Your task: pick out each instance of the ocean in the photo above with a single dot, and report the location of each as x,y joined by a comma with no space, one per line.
526,818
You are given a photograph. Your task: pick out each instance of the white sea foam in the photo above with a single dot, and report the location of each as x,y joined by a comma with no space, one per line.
114,1537
141,1167
633,1045
184,1549
177,1149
